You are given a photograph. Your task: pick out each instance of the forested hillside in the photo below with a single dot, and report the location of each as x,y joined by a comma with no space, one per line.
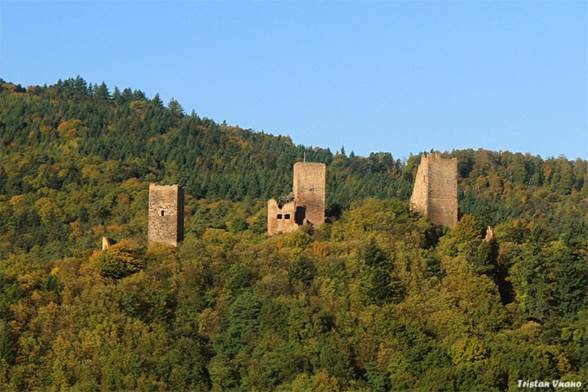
377,299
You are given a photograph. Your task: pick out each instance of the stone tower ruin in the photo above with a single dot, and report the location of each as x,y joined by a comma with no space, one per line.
435,190
166,214
281,218
306,205
309,190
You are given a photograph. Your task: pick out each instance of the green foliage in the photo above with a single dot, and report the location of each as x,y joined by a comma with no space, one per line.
382,287
6,343
550,279
373,257
302,271
116,263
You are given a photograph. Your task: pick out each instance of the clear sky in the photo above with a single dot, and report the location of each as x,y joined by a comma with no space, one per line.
396,76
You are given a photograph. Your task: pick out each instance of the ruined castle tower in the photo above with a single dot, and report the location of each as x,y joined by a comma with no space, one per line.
281,218
435,190
166,214
309,191
306,206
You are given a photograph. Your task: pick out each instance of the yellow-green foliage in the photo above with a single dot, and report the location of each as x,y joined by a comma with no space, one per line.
374,310
120,260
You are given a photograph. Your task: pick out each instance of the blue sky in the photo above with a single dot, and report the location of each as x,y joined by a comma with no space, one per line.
394,76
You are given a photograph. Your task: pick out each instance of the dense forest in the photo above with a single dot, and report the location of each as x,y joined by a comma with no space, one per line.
377,299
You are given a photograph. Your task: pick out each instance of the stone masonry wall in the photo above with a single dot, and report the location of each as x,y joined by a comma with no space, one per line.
435,190
419,200
166,214
310,189
443,191
308,206
281,220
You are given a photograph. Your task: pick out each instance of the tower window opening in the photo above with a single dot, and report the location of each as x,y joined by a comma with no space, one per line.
279,216
287,216
162,213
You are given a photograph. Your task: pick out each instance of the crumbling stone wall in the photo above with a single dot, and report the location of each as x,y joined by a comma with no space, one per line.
419,199
435,190
166,214
308,204
310,190
281,220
